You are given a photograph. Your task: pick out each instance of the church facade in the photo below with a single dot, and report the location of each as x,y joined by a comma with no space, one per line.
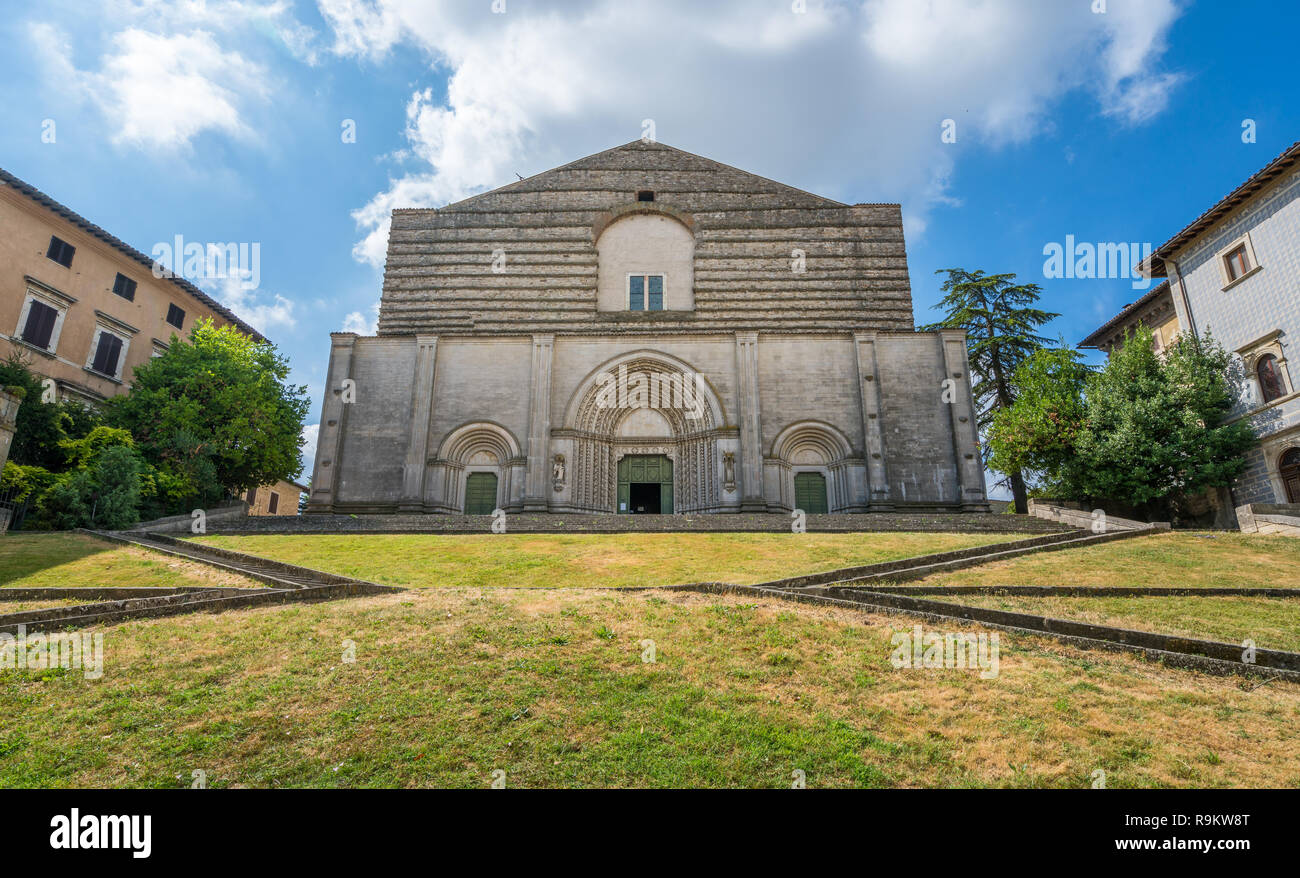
647,331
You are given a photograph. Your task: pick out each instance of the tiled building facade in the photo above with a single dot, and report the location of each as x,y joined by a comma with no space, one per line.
1234,273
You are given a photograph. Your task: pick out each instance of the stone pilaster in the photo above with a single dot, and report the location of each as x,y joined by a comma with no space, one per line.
878,497
747,400
537,487
965,435
333,417
417,446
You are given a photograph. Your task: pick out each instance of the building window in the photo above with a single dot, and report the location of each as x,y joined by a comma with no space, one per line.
274,506
61,251
1269,373
107,354
175,316
1236,262
124,287
645,195
251,497
645,292
38,331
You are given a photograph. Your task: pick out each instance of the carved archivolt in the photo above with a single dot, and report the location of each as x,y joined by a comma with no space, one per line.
689,407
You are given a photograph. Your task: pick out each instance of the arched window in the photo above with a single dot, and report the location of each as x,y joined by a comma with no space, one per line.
1269,374
1289,469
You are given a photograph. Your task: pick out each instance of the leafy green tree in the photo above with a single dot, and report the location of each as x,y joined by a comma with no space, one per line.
1036,434
1157,429
1000,323
215,413
42,425
105,494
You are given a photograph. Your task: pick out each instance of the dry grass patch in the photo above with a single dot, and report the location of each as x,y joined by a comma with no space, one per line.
76,560
451,684
1184,559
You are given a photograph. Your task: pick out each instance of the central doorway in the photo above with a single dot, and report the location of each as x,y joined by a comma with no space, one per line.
645,485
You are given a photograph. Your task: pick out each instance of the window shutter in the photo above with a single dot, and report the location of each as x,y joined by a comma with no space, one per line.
636,292
106,355
40,325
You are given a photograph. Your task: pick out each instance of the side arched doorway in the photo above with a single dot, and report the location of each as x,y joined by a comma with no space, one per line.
810,493
1289,468
645,484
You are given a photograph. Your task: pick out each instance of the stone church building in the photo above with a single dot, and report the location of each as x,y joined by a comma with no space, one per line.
645,330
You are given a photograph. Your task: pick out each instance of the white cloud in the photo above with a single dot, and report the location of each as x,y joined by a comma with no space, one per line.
169,72
846,100
310,433
360,324
251,306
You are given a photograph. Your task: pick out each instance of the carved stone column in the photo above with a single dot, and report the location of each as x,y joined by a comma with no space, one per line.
747,399
417,445
537,483
333,415
878,495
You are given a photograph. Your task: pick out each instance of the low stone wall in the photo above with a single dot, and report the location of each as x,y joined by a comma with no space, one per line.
1068,512
1270,518
877,522
222,516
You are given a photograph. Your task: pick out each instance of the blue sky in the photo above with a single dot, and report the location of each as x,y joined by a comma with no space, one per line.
221,121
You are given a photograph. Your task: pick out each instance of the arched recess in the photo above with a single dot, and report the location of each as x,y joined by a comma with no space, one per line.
476,447
1287,467
604,421
816,447
644,240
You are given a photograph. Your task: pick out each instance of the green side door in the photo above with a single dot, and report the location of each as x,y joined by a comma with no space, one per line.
810,492
480,493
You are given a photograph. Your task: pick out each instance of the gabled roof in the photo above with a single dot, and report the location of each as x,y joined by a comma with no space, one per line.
1094,339
127,250
1154,265
608,160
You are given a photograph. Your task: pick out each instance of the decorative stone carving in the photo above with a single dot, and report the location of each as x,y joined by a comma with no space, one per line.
557,472
729,472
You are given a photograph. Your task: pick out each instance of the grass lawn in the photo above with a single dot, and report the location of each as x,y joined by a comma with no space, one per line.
73,560
549,686
1271,623
554,560
1179,559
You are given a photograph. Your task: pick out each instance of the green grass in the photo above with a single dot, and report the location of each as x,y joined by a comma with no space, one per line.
1178,559
1273,623
549,686
73,560
584,560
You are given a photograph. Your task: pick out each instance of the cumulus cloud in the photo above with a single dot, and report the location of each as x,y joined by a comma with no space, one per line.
360,323
171,71
846,99
310,432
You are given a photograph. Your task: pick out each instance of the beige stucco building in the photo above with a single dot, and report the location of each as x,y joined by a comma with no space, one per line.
647,330
84,308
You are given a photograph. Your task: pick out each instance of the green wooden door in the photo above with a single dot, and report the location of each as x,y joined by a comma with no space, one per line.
480,493
810,492
654,469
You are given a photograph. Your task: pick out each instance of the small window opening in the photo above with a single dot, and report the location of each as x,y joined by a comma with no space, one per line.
645,195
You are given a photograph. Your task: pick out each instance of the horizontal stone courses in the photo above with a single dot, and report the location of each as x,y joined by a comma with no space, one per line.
586,215
687,200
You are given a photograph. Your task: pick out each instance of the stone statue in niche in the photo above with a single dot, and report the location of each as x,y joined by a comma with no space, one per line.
729,470
557,472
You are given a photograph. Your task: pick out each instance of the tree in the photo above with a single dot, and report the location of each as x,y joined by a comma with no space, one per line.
1000,325
103,487
216,412
1157,429
1038,432
42,425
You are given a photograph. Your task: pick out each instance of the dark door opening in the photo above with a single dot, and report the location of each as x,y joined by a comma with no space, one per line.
1289,466
644,498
